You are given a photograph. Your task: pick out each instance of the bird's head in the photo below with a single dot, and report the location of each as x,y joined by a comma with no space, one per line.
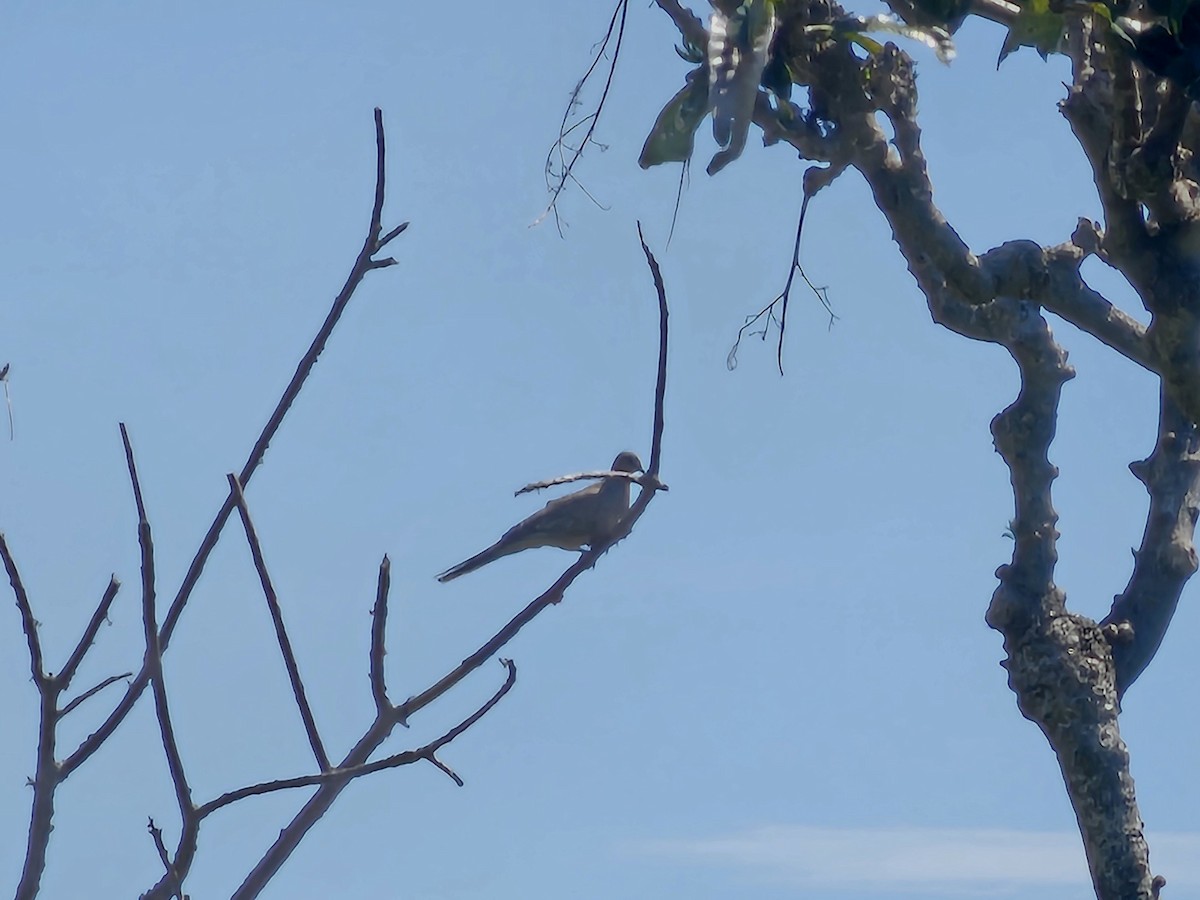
627,461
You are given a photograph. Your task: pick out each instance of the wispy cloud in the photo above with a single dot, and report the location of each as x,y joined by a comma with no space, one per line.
943,860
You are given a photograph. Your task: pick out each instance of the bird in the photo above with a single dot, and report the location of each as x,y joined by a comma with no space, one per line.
580,519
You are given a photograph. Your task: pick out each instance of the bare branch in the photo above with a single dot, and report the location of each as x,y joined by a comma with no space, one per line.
89,636
1051,278
331,785
95,689
362,264
1065,293
28,623
345,774
1167,556
450,773
48,775
12,434
177,870
566,168
1059,661
281,635
815,178
1023,433
176,884
660,385
391,235
383,706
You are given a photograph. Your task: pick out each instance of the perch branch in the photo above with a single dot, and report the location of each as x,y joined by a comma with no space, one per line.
333,784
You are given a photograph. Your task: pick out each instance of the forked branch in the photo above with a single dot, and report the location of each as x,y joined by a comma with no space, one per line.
357,761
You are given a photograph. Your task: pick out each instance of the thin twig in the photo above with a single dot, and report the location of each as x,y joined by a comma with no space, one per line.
379,614
346,774
660,384
189,824
28,622
812,185
12,434
449,772
95,689
89,633
566,168
157,835
281,635
605,474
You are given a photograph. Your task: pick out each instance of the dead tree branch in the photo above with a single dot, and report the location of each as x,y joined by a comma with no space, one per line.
388,716
364,263
178,867
281,635
50,773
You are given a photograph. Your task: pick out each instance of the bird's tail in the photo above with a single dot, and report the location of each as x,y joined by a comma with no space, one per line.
482,558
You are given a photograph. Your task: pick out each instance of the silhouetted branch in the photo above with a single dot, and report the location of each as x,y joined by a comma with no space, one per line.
344,775
95,689
176,885
379,612
47,776
567,168
356,761
815,178
189,824
28,623
363,263
12,434
285,644
660,384
89,636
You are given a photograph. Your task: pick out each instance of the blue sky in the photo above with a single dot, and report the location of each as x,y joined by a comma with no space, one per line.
781,686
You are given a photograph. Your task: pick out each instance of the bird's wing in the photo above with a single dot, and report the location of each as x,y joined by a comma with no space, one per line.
567,522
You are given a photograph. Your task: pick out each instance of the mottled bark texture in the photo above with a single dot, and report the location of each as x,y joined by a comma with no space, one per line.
1138,134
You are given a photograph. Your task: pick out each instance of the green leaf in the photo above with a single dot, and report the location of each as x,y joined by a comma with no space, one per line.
674,133
871,46
739,44
855,28
1037,27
